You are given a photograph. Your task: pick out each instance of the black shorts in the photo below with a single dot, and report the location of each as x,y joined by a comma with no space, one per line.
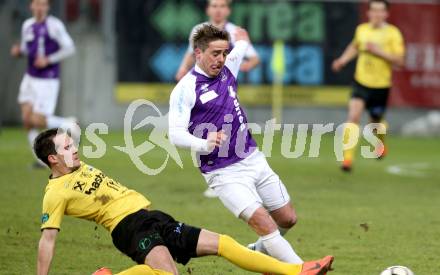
138,233
375,99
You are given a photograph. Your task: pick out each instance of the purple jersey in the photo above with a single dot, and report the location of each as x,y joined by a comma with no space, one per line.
217,104
41,45
48,38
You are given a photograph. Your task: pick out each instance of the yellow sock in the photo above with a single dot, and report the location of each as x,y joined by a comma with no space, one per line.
254,261
143,269
349,132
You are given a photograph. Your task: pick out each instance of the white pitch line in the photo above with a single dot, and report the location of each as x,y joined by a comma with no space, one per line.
409,169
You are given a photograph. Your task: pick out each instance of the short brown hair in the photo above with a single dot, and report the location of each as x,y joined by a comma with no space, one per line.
385,2
228,2
206,34
45,146
48,1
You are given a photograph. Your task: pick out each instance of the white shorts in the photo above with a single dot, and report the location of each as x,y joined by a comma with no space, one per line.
41,93
247,182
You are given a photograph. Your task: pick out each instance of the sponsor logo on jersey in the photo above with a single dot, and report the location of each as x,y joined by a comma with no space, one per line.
44,217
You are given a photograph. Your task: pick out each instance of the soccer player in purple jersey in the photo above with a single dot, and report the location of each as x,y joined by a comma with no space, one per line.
205,116
45,42
218,12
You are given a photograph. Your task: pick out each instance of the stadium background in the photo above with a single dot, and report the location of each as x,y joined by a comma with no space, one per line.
131,49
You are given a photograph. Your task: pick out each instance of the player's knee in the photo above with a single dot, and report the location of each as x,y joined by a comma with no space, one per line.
288,221
37,121
160,258
262,223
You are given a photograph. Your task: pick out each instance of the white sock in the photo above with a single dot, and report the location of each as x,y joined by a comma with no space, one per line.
57,121
279,248
32,134
259,243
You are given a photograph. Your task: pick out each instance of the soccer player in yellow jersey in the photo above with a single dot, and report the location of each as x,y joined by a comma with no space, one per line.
151,238
379,46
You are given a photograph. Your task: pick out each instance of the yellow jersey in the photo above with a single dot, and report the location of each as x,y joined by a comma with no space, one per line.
89,194
371,70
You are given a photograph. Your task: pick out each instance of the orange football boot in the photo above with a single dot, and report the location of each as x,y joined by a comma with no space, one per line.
381,151
346,165
103,271
319,267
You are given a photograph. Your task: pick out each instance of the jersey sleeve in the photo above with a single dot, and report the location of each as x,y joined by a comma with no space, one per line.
235,57
67,47
182,101
397,43
23,48
53,210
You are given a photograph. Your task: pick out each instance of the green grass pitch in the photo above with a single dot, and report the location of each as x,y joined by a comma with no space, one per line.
368,220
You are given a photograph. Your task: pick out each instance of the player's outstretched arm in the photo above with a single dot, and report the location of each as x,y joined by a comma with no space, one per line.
348,55
235,57
241,35
46,250
67,47
250,63
251,59
187,63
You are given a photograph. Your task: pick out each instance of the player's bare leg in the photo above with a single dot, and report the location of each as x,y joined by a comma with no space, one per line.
26,113
160,258
38,120
356,107
211,243
285,217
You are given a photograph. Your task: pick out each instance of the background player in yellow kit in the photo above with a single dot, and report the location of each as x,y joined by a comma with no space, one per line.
379,46
151,238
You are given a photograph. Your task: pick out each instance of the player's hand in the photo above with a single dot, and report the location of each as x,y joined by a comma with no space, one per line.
245,67
15,50
216,139
41,62
337,65
241,34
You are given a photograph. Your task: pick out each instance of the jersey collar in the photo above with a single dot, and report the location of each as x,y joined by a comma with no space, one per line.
199,70
66,175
